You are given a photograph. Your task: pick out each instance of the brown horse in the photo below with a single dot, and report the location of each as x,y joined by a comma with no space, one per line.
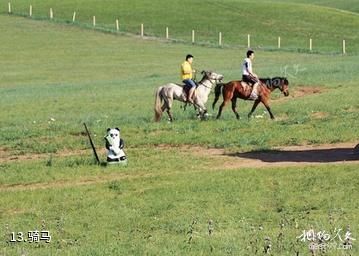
238,89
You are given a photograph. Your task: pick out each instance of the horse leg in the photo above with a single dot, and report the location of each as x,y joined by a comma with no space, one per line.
265,103
234,106
255,104
216,97
202,111
170,117
168,106
224,103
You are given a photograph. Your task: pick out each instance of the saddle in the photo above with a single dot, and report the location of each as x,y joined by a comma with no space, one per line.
186,90
247,87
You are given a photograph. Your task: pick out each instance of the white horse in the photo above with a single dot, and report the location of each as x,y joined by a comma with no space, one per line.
167,93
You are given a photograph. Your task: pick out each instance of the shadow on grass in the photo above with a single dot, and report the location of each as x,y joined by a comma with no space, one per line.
310,155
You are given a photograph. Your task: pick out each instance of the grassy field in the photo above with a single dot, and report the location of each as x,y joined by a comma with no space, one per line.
265,21
155,207
168,201
77,71
350,5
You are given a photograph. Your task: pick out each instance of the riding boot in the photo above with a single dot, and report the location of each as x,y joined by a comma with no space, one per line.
254,93
190,96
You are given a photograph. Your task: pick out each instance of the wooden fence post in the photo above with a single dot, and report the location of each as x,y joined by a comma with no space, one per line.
9,8
310,44
94,21
220,39
167,33
344,51
74,17
30,11
279,42
142,30
117,25
51,14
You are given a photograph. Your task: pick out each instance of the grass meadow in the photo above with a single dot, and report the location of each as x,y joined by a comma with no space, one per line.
294,21
168,200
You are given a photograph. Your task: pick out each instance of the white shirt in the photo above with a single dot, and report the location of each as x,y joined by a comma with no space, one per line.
247,67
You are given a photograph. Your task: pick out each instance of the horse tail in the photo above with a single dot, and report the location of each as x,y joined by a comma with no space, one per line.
217,92
158,102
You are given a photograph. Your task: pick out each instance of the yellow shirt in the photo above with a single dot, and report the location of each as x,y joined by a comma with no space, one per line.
186,70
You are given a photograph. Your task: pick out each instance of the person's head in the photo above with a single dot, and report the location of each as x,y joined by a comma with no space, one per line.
189,58
250,54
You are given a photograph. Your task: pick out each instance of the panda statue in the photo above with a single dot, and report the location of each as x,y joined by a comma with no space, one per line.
115,146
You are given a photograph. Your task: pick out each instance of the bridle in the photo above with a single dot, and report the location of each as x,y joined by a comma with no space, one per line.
210,80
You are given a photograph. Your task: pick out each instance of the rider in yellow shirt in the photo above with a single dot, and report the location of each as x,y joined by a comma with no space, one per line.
187,75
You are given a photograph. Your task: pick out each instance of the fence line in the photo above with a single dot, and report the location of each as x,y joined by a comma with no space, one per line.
142,32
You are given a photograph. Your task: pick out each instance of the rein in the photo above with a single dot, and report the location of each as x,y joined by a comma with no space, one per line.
209,87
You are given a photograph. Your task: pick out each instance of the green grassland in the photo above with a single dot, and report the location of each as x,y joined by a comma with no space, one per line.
155,207
265,21
98,79
350,5
55,76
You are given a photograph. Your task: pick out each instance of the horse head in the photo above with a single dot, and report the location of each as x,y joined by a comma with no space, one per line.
212,76
282,83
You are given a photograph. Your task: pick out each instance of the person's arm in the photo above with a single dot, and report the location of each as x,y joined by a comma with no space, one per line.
250,72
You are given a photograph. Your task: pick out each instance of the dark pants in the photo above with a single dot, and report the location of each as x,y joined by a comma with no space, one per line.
189,83
248,79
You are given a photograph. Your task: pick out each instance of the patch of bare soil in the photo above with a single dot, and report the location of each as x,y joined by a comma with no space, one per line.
302,91
10,156
319,115
340,153
281,156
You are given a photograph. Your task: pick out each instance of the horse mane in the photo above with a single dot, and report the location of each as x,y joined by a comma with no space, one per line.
204,73
271,82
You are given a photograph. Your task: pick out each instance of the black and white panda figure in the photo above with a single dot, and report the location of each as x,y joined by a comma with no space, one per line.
115,146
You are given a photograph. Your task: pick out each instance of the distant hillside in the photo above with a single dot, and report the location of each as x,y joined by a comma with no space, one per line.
347,5
294,21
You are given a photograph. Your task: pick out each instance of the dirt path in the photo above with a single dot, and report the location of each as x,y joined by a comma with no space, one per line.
282,156
342,153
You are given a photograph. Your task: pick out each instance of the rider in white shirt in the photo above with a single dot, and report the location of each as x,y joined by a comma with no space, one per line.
249,76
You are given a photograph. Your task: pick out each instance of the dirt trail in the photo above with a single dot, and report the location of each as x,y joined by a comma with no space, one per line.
281,156
341,153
